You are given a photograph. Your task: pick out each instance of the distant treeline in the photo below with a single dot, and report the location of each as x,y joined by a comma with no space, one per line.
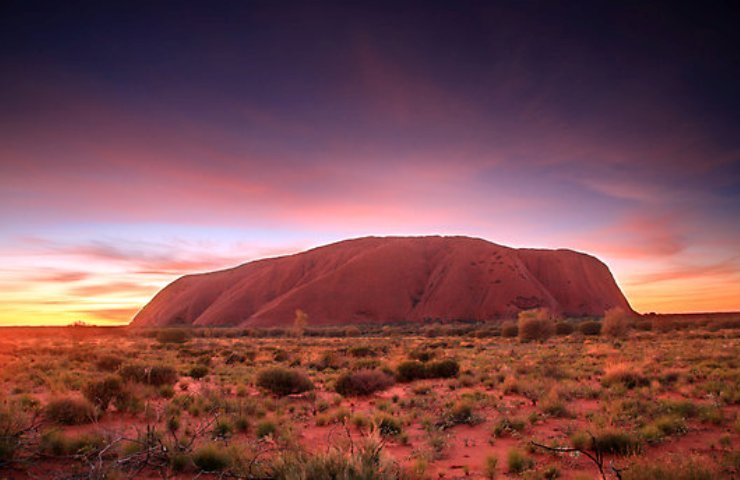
431,328
508,328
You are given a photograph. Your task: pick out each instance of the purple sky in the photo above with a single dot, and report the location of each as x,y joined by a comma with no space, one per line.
140,142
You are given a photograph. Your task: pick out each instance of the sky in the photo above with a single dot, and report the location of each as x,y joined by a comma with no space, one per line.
140,141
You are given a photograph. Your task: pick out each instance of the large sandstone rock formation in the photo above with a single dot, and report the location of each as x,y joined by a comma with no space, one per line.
389,280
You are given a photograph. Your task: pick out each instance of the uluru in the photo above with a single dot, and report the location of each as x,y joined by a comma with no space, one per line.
374,280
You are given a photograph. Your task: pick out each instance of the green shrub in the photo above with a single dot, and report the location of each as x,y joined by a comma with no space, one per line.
241,424
14,420
70,411
509,330
555,407
280,355
462,413
151,375
284,381
211,458
535,325
688,469
590,327
198,371
683,408
422,354
410,370
222,429
109,363
102,392
564,328
173,335
58,444
624,375
614,442
363,462
362,351
508,425
362,382
517,461
617,443
162,375
670,425
388,426
617,323
447,368
179,462
265,428
233,358
490,467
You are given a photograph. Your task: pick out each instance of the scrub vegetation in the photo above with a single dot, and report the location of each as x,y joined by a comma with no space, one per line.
532,398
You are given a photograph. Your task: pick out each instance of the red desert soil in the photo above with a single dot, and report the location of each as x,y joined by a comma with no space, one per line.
390,279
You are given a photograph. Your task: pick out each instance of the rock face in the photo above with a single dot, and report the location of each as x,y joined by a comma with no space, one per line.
388,280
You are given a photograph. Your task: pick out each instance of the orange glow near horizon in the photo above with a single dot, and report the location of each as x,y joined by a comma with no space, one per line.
103,289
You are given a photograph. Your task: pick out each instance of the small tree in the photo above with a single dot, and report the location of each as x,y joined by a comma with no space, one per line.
300,322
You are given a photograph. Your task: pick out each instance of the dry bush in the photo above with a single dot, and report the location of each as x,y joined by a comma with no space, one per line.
537,324
363,382
617,323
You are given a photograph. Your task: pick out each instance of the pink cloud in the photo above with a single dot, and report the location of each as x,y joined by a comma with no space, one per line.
638,236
